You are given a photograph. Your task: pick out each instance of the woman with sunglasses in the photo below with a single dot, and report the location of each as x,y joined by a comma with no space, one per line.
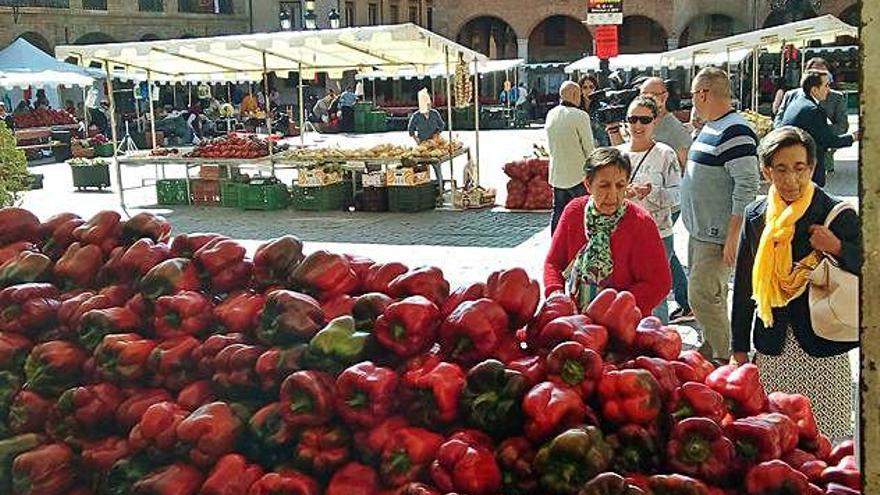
656,174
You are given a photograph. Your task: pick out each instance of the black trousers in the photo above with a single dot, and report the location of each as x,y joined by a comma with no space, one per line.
561,197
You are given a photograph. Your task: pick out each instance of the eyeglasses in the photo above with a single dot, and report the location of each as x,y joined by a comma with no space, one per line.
641,119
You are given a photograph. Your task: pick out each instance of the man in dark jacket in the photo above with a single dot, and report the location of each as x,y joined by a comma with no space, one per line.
805,112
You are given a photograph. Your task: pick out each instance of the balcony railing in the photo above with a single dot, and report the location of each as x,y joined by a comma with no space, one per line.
94,4
151,5
52,4
205,6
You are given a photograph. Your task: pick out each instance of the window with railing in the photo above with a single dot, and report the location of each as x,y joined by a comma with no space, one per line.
94,4
151,5
205,6
51,4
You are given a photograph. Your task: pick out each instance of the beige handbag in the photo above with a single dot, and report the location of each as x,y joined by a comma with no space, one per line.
834,295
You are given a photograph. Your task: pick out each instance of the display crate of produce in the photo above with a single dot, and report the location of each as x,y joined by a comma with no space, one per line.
230,192
77,151
88,173
361,122
317,177
374,179
213,172
372,199
171,192
265,193
407,176
204,192
411,198
324,198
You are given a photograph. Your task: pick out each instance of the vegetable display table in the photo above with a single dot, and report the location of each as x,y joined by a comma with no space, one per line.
95,175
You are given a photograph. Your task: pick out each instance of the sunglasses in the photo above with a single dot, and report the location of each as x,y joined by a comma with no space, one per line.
641,119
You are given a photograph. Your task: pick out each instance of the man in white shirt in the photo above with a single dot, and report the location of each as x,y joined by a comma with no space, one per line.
570,142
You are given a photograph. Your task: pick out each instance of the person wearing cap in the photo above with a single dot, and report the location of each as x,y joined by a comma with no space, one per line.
425,124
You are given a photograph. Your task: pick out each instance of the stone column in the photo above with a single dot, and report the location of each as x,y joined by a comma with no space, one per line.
522,48
672,43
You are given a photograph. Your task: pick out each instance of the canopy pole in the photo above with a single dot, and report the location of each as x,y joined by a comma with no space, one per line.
449,121
152,108
268,110
114,136
374,90
189,94
755,62
302,113
477,120
174,95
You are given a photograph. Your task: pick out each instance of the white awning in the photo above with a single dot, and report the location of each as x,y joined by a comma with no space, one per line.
643,61
240,57
439,70
825,29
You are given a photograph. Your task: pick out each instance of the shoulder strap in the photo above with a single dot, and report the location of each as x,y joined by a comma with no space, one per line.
639,166
837,210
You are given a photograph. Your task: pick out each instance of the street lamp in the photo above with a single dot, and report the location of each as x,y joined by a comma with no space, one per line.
284,17
334,19
309,19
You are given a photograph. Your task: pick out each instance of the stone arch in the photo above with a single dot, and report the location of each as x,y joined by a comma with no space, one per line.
559,38
710,26
150,37
851,15
641,34
94,38
489,35
38,40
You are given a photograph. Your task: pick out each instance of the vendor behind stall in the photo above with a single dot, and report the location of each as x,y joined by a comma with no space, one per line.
426,124
249,105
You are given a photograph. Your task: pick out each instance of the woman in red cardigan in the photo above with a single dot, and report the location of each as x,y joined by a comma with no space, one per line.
624,250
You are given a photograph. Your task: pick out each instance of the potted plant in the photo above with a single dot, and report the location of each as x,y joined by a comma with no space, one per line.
13,168
89,173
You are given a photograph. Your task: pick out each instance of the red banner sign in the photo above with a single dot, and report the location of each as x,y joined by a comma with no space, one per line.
606,42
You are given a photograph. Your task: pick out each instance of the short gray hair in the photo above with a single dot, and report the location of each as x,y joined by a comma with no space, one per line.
715,80
568,89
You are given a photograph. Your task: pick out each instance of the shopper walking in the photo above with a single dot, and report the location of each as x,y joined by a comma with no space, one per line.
604,240
720,180
779,245
570,142
805,112
656,175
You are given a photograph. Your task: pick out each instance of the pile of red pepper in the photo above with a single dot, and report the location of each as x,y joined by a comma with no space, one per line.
132,362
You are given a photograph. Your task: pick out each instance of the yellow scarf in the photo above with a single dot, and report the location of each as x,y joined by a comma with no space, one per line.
776,279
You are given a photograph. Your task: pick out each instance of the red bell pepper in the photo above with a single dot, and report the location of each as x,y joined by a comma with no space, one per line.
122,357
741,387
71,311
578,328
206,353
269,437
56,234
532,367
141,257
380,275
806,463
549,409
308,398
18,224
472,292
289,317
14,349
338,305
171,362
629,396
841,450
322,449
174,479
169,277
617,311
136,403
798,408
518,294
210,432
53,367
186,245
156,432
676,484
516,457
360,265
637,449
432,390
821,447
407,454
408,327
368,308
835,489
47,469
325,274
184,313
370,442
78,267
196,394
87,409
609,483
655,339
698,447
763,437
660,369
275,364
223,266
238,312
27,267
29,309
96,324
234,370
466,466
773,477
571,365
102,454
11,251
846,473
366,394
28,413
354,479
102,230
425,281
275,260
146,225
695,399
285,482
473,331
232,475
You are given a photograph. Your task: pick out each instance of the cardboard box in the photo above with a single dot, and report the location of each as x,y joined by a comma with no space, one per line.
374,179
407,177
473,198
318,178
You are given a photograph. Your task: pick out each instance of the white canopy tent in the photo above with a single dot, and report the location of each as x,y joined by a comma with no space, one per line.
645,61
439,70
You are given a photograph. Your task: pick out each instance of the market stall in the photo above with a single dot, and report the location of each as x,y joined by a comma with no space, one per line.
255,56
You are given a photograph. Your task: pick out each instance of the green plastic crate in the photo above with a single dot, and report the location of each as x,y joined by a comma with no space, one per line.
322,198
171,192
230,192
377,121
411,198
264,194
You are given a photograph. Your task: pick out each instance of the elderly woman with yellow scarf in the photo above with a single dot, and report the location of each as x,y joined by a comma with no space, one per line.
780,243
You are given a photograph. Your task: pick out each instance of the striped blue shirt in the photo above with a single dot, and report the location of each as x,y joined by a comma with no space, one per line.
721,177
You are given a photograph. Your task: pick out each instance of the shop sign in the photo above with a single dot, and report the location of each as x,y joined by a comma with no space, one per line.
606,42
601,12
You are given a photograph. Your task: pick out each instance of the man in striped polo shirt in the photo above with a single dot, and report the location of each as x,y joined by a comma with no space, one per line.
720,180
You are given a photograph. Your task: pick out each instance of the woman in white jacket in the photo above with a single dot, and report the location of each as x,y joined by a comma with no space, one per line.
656,177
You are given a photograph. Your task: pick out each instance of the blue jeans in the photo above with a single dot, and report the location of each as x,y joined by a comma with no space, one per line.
679,279
662,309
561,197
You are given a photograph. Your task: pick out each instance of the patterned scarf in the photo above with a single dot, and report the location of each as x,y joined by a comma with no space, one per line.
776,279
593,263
